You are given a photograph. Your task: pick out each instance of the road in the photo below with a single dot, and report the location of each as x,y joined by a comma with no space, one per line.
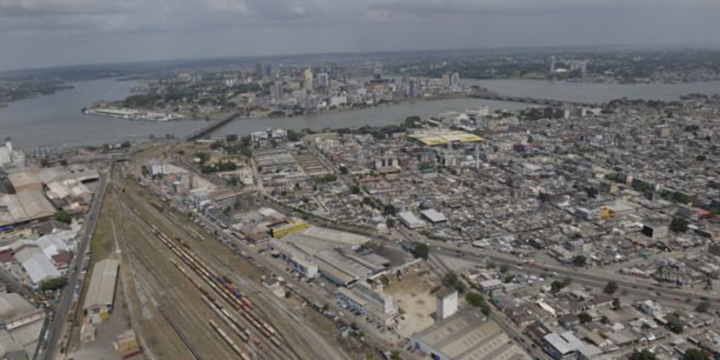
61,310
520,339
590,277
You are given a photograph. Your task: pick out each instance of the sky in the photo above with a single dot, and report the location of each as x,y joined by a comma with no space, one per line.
41,33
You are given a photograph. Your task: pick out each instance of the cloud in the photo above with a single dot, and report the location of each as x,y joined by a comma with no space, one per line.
127,29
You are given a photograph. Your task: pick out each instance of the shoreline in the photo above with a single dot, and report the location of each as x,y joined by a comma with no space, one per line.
94,112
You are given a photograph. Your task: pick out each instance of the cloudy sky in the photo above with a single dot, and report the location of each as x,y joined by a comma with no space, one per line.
59,32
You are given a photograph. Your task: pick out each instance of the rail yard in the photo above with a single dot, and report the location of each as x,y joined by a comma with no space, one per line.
190,309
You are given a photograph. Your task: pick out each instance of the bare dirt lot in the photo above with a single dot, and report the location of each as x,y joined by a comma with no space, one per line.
414,298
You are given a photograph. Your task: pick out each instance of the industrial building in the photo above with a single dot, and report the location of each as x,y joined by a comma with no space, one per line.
287,227
410,220
20,326
467,335
443,137
331,253
566,346
101,292
434,216
370,300
36,264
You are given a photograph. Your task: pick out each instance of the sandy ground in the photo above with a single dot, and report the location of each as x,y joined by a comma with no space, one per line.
413,296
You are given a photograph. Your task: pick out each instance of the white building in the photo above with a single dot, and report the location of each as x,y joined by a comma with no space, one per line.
447,303
410,220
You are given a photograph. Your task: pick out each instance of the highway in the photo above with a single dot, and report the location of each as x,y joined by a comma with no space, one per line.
633,286
637,287
61,309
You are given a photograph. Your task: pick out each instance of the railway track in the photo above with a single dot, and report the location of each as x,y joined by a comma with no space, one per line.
260,337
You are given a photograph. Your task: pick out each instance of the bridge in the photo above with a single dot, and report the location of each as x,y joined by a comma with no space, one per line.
210,128
527,100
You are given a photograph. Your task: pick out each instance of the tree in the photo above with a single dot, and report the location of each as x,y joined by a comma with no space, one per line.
610,288
421,251
451,280
231,138
591,192
53,284
355,189
125,145
695,354
504,268
703,307
556,285
579,260
145,171
293,135
675,324
395,355
616,304
202,157
584,317
509,278
490,265
475,299
679,225
63,217
645,354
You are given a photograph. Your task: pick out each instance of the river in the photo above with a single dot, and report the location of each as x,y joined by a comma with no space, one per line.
55,120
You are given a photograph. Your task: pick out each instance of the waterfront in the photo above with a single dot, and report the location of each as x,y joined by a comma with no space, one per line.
581,92
56,120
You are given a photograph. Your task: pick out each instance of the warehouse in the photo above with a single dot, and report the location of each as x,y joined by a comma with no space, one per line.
36,264
467,335
101,292
410,220
20,324
328,252
434,216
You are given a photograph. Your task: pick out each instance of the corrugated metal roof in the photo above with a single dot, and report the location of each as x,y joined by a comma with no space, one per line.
102,284
36,264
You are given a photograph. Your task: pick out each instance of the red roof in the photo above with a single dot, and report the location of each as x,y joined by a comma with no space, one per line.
62,258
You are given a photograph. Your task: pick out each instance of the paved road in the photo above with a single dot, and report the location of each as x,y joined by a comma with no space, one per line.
596,280
637,287
61,310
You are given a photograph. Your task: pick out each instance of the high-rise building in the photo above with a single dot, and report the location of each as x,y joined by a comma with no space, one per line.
324,80
552,64
308,79
412,91
276,90
258,70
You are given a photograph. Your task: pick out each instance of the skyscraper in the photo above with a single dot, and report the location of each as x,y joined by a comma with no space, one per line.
308,79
